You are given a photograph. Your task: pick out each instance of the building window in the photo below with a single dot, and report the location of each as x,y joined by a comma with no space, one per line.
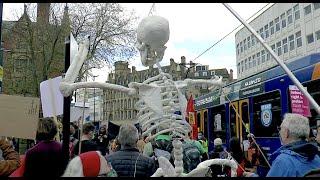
299,39
244,44
261,33
316,6
204,73
296,12
310,38
241,66
254,60
271,28
241,48
250,62
238,48
283,20
266,30
277,22
285,45
237,67
273,47
268,56
213,73
245,64
253,40
258,58
318,32
249,42
196,74
289,14
279,49
263,56
291,42
307,10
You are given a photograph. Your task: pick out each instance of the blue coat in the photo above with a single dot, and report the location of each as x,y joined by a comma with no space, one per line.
294,160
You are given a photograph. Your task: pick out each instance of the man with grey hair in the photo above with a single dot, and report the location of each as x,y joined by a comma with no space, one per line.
296,157
128,162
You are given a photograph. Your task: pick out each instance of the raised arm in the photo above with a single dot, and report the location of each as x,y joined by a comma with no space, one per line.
68,85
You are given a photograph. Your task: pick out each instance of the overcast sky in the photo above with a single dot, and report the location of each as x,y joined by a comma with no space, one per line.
194,27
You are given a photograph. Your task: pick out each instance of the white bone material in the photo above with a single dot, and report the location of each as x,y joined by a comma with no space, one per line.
160,98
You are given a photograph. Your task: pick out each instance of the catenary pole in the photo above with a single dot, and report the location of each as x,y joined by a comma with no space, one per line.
280,62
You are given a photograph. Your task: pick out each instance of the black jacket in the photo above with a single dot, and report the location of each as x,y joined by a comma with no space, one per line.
126,159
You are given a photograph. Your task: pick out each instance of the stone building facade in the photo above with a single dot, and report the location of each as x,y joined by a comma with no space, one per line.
33,51
120,108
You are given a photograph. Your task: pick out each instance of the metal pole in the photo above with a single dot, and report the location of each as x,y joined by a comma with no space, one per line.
284,67
94,102
2,48
66,110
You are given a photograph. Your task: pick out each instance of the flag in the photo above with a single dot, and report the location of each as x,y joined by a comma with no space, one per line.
191,116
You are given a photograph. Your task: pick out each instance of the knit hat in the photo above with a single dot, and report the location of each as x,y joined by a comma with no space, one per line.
217,142
88,164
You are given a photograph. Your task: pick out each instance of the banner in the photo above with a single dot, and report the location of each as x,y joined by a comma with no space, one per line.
19,116
299,103
51,97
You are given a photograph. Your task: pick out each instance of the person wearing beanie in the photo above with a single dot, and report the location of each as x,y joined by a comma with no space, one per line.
89,164
217,153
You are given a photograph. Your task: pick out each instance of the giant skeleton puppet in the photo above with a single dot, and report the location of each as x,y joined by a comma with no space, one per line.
159,97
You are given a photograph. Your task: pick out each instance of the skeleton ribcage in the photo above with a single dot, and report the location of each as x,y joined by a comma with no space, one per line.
162,115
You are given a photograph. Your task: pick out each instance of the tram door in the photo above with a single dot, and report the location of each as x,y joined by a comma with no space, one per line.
237,128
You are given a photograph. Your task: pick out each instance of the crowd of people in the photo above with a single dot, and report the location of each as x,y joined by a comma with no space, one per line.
95,154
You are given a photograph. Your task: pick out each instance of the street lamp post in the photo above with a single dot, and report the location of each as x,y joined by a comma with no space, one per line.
94,101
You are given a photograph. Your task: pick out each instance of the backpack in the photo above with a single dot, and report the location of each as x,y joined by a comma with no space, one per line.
162,148
163,145
191,156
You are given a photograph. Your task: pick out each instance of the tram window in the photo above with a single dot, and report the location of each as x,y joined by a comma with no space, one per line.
245,117
266,128
205,124
217,132
233,121
198,120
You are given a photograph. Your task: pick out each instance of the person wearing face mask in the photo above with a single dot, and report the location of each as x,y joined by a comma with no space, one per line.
296,156
87,144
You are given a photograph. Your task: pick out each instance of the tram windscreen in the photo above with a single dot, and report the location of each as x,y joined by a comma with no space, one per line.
267,114
218,126
313,87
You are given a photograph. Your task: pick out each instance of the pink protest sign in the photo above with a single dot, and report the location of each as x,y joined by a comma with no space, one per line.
299,103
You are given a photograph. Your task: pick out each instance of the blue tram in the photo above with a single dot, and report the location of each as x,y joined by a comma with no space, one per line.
260,100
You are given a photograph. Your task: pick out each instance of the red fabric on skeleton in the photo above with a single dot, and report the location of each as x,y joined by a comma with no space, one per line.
90,163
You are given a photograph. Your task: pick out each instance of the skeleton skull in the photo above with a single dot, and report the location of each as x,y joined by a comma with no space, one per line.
152,34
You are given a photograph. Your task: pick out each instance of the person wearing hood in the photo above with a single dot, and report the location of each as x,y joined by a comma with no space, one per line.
296,156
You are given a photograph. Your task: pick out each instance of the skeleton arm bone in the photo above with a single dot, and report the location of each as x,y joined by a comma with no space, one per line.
190,82
67,88
67,85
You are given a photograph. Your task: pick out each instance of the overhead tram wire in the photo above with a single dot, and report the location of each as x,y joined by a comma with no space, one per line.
228,33
152,9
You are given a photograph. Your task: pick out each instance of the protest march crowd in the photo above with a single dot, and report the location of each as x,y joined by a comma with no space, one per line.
132,155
